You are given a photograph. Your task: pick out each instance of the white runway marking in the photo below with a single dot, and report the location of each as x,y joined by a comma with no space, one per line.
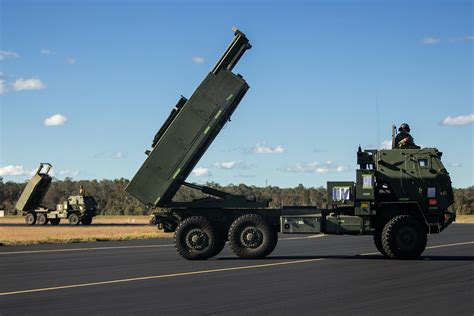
164,276
81,249
121,247
432,247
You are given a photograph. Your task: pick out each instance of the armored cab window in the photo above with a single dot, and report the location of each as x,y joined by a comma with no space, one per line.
423,163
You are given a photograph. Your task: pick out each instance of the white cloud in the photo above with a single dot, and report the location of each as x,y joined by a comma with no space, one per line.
28,84
119,155
198,60
262,149
68,173
3,88
456,164
226,164
12,171
316,167
430,40
55,120
386,144
469,38
4,54
201,172
71,60
458,120
45,51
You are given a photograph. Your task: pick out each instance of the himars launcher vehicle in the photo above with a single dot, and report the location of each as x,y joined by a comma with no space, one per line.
399,196
76,209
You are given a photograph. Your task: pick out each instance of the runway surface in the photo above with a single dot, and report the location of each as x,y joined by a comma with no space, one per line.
316,275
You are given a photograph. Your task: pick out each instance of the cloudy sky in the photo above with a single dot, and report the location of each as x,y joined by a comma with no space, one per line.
85,85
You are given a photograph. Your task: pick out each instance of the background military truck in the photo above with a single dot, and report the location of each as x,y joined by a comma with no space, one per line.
399,196
76,209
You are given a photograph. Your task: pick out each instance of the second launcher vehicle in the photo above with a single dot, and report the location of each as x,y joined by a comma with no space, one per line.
76,209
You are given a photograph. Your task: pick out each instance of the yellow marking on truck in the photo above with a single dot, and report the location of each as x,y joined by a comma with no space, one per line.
218,114
229,97
176,173
207,130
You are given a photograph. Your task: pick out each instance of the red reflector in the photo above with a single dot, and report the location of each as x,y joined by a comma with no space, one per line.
432,201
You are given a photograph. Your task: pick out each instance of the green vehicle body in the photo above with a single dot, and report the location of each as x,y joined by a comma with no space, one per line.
76,209
400,196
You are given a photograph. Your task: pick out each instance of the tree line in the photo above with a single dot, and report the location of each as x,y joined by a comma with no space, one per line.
113,200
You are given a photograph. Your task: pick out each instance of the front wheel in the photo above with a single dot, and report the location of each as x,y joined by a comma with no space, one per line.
404,237
252,237
86,220
195,238
378,242
73,219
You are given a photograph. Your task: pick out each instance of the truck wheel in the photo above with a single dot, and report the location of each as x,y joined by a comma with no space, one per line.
251,237
86,220
378,242
195,238
30,219
404,237
73,219
221,239
41,219
55,221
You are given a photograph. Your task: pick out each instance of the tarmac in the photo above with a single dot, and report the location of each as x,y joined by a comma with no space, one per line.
305,275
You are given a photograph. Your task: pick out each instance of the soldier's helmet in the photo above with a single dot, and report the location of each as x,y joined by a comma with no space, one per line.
404,128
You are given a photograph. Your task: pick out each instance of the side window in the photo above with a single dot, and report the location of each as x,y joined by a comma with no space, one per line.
424,163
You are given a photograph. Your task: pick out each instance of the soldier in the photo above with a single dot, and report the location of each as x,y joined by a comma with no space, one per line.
82,191
404,140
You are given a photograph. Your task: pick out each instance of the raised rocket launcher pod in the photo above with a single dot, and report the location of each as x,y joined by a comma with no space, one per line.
189,130
400,196
76,209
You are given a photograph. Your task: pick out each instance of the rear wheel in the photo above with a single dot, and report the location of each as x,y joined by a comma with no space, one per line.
195,238
41,219
86,220
73,219
30,219
55,221
252,237
404,237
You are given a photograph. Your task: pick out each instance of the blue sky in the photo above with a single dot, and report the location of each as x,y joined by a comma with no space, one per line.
85,85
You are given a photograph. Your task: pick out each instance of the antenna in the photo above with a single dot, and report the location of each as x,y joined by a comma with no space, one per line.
377,115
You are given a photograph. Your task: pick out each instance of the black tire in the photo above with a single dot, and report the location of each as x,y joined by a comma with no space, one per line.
252,237
41,219
30,219
195,238
404,237
73,219
86,220
221,240
378,242
55,221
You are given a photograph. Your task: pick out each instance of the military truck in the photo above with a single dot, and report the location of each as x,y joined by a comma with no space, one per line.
400,196
76,209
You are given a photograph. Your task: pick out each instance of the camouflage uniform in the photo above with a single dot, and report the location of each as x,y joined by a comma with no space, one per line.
405,141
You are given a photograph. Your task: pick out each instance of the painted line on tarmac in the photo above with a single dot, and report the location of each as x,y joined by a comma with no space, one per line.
167,276
163,276
121,247
81,249
427,248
